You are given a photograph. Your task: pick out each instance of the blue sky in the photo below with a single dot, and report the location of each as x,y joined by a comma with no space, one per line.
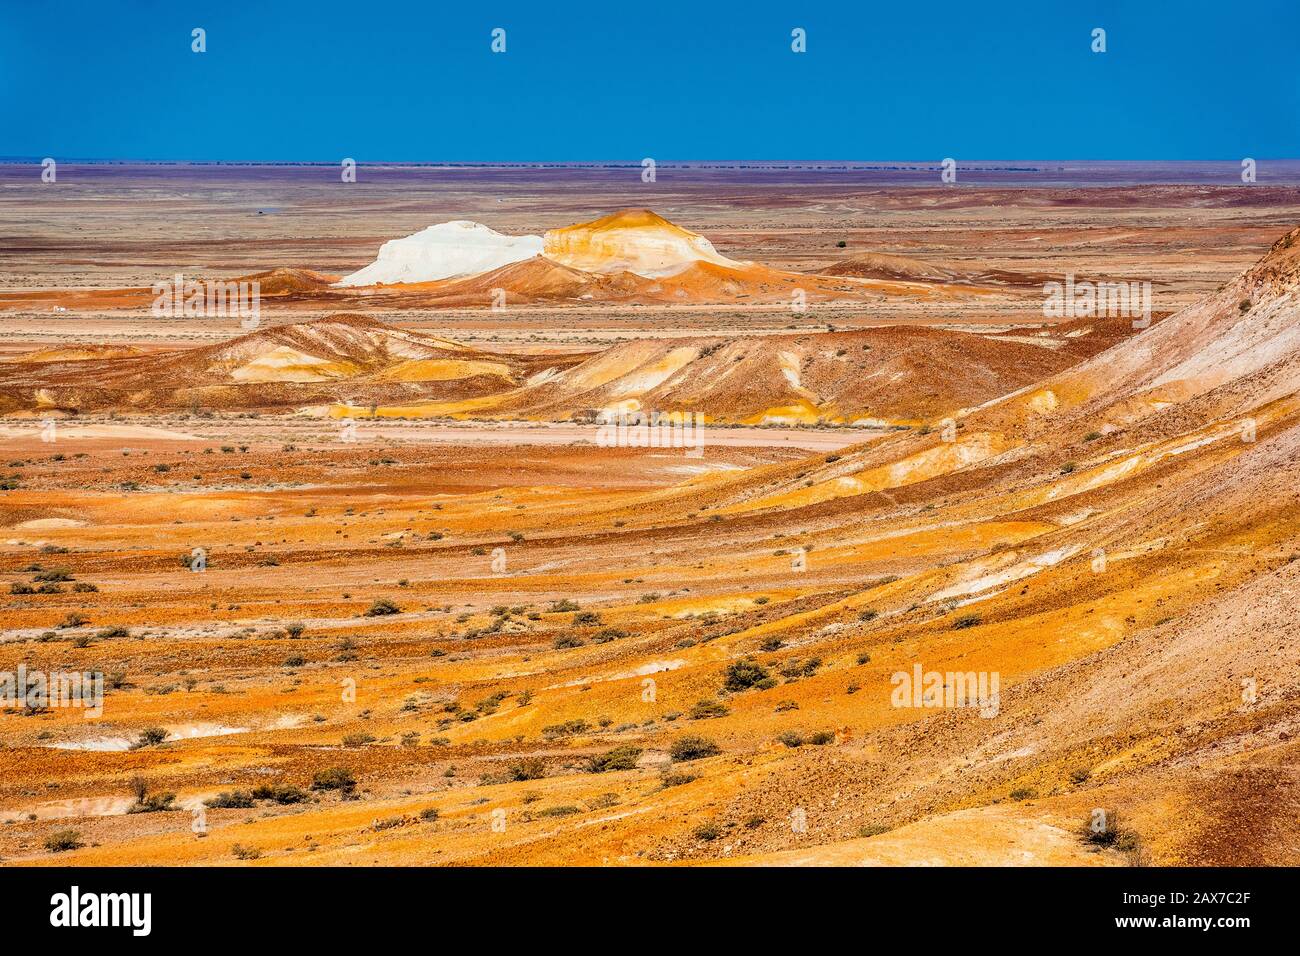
396,81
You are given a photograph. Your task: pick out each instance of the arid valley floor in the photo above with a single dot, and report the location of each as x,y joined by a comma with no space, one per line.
367,588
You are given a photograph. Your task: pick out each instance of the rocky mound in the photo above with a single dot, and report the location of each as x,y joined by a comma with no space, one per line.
78,353
630,240
444,251
876,376
289,281
340,358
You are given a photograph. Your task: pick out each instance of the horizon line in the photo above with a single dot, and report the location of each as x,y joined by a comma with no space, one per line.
635,163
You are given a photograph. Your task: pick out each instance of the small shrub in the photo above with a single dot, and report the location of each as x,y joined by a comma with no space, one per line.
708,710
335,778
707,832
676,779
153,804
565,729
693,747
149,737
530,768
60,841
744,674
231,800
1102,829
281,793
620,758
382,607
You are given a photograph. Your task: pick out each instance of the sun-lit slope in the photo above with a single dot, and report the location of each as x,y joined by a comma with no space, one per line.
1233,350
630,240
540,279
78,353
342,356
878,375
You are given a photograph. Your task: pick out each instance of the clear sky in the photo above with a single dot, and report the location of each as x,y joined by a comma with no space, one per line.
386,80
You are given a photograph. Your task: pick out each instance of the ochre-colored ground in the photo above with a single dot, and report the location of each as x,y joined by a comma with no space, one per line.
1115,541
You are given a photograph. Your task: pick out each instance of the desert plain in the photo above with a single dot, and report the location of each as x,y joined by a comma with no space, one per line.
369,585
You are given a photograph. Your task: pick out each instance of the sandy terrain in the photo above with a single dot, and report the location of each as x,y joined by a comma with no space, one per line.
370,590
